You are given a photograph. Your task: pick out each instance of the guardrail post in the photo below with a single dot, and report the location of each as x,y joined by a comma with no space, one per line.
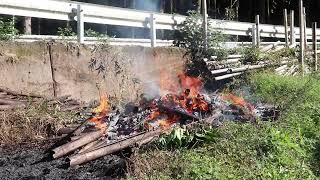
301,22
153,30
80,24
258,30
314,45
292,30
285,23
254,36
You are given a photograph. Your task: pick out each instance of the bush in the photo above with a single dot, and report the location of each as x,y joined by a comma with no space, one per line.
191,37
7,29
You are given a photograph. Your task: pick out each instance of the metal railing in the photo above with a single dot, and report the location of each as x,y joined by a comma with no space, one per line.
90,13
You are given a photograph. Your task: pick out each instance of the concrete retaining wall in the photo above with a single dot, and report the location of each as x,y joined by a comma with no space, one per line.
32,68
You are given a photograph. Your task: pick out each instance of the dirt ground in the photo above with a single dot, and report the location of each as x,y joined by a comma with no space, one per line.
29,162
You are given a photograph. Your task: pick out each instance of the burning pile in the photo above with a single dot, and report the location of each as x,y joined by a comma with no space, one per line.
180,102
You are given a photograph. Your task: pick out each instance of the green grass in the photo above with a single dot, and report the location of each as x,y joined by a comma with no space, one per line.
288,148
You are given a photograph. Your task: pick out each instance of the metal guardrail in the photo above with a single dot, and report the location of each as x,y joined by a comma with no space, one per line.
90,13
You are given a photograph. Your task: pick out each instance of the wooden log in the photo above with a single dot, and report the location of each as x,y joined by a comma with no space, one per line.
70,147
227,76
95,154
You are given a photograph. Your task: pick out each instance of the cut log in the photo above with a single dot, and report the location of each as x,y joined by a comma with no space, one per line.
70,147
95,154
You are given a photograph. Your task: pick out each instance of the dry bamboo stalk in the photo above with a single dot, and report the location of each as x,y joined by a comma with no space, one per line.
145,141
218,71
88,146
248,67
228,61
281,68
69,147
278,48
269,47
227,76
92,155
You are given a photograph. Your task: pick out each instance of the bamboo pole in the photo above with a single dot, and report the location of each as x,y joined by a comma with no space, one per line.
305,30
205,24
302,47
292,30
258,30
285,23
69,147
227,76
314,45
92,155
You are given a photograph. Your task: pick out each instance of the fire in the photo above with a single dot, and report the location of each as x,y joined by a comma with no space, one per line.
101,112
236,100
184,93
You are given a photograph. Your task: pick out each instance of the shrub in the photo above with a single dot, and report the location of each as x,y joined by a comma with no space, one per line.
7,29
191,37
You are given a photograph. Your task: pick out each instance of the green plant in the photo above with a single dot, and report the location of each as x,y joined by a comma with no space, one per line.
66,32
191,37
184,138
7,29
102,38
251,54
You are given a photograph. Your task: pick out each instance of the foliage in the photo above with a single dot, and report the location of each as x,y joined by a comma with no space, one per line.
7,29
191,37
285,149
66,32
251,54
102,38
184,138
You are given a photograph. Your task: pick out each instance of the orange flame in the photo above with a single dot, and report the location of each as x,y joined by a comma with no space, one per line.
236,100
101,111
184,92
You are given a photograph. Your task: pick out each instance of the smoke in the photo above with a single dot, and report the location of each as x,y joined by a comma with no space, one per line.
147,5
156,78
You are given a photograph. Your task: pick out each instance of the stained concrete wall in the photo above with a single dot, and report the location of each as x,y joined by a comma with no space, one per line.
34,68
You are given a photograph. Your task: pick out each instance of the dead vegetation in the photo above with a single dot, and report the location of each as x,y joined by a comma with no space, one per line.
31,124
